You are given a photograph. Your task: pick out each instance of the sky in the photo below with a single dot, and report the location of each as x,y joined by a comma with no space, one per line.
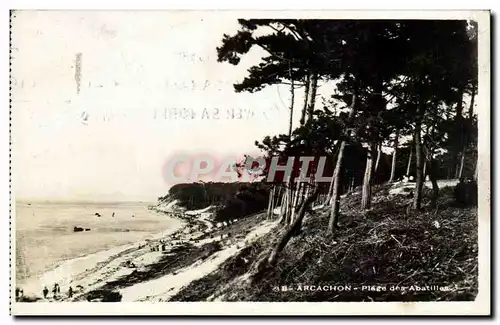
109,137
101,100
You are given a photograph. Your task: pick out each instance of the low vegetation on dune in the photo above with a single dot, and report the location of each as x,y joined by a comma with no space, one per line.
388,248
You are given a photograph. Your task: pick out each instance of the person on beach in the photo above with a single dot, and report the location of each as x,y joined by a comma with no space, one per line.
55,290
45,292
113,215
70,292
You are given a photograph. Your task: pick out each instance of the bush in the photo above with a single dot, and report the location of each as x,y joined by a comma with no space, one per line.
104,296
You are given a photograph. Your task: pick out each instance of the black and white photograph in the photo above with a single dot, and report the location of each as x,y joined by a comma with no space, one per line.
163,157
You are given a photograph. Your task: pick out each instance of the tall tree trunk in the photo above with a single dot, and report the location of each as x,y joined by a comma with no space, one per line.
366,196
306,99
462,161
458,127
432,176
283,209
292,94
466,140
471,107
394,157
335,200
312,97
271,196
294,228
305,193
409,161
300,196
289,201
335,150
295,201
476,173
334,213
273,202
457,167
379,153
417,199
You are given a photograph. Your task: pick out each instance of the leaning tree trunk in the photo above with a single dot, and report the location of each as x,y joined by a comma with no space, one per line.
462,161
306,99
419,182
366,196
312,97
294,228
334,213
409,161
394,157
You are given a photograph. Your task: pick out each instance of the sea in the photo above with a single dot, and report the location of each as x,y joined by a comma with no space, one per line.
45,237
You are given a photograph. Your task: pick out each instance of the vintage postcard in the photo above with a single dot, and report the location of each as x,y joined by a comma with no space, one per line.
250,163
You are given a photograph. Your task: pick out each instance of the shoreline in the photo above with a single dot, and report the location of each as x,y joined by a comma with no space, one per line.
75,267
170,259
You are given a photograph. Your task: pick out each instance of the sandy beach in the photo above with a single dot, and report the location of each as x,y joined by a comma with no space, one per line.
154,269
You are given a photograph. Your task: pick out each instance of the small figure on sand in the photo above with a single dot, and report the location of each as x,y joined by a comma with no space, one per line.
133,216
113,215
97,214
45,292
70,292
56,290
